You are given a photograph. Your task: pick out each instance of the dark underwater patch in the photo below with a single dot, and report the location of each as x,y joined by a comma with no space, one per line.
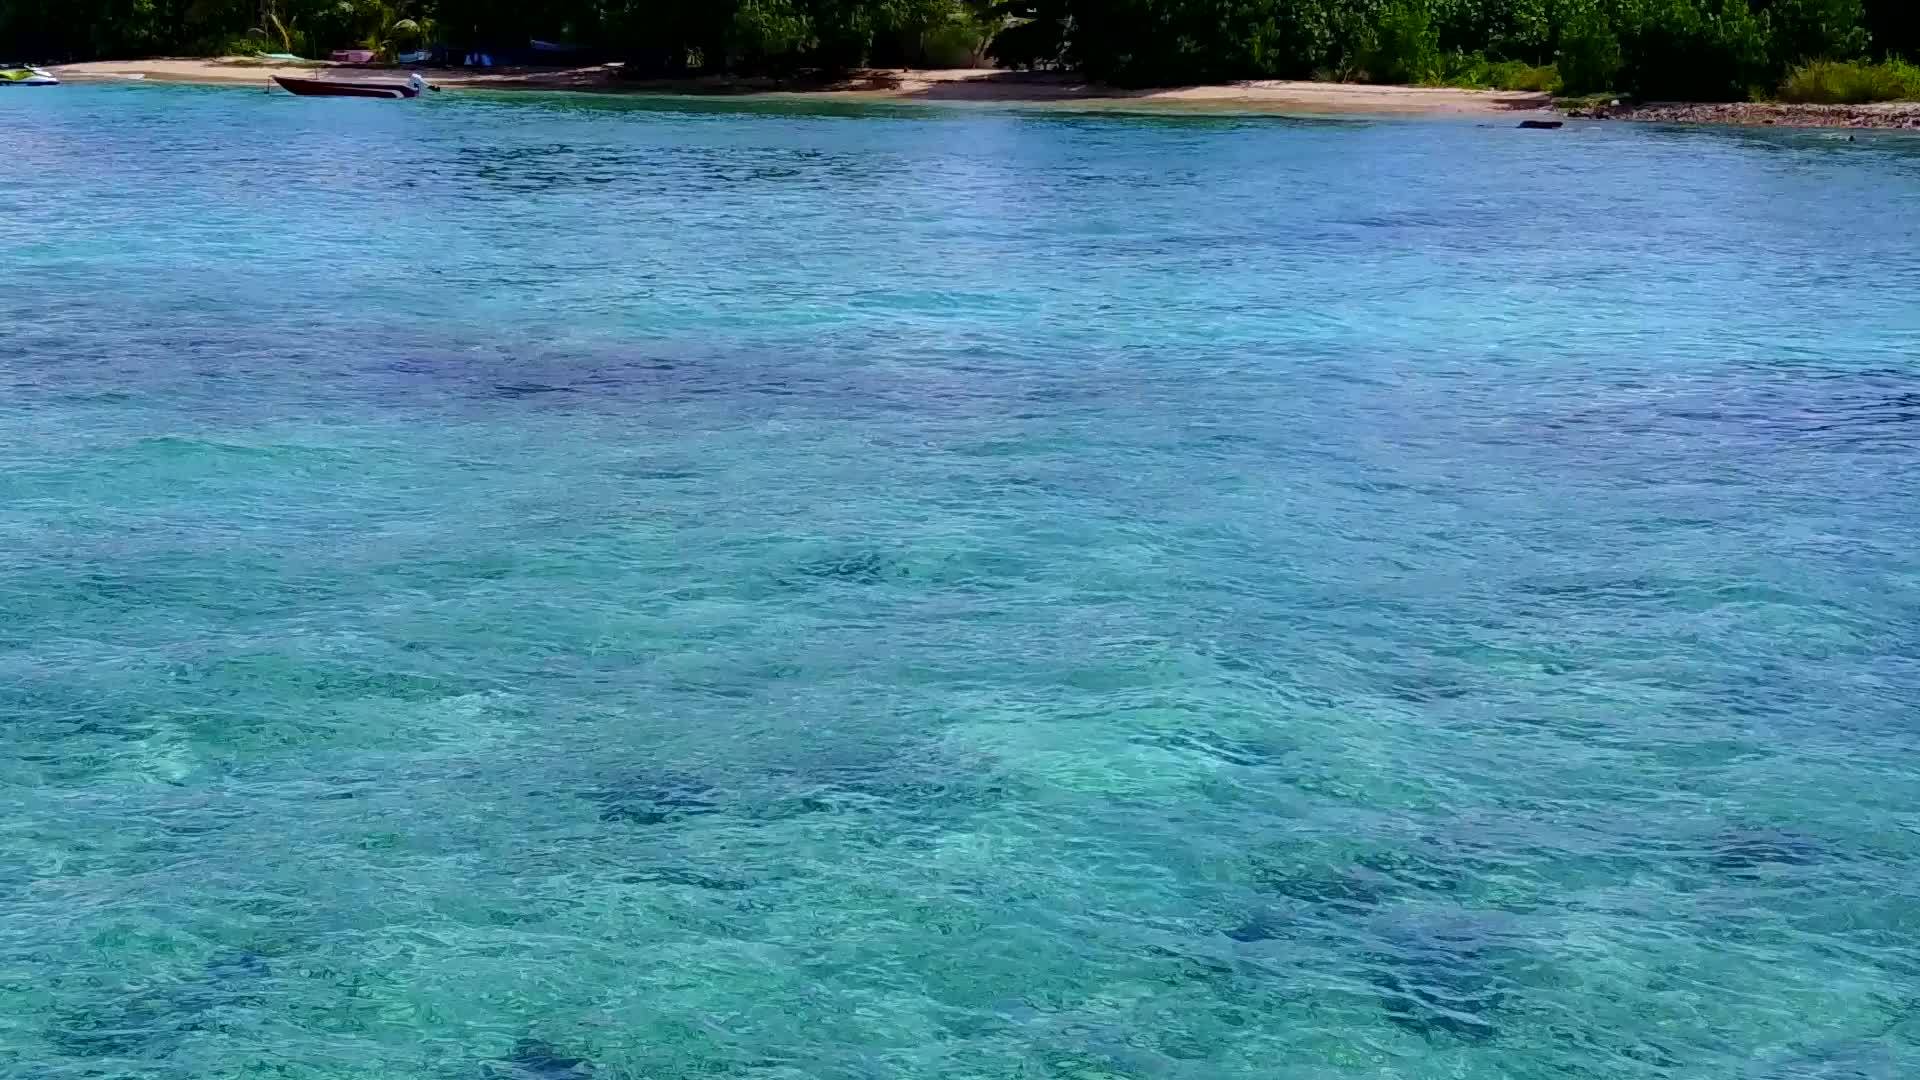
1192,966
238,970
522,390
1371,879
1756,852
656,799
1246,753
138,1027
900,787
852,568
1262,925
1351,889
1425,687
1441,979
666,875
651,472
1416,871
150,1023
905,785
1767,410
1438,1004
1845,1059
536,1059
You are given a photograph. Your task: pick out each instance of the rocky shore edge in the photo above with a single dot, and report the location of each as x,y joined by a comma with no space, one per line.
1894,115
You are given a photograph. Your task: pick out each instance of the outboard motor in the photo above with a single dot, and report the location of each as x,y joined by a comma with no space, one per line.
419,84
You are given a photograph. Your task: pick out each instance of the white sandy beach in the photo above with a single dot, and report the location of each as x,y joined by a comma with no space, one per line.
984,85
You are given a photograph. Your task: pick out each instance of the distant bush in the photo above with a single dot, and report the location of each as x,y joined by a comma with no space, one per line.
1511,29
1588,56
957,42
243,45
1692,50
1829,82
1475,72
1650,49
1037,41
1893,27
766,30
1406,46
1519,75
1816,30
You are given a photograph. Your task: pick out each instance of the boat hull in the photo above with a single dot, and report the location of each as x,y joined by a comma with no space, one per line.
332,88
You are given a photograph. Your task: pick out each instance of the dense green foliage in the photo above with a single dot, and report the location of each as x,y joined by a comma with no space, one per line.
657,36
1834,82
1654,48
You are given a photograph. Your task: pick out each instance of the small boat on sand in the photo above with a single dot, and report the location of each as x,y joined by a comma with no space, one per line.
25,75
343,88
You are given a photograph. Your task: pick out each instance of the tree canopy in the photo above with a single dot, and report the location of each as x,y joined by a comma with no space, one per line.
1657,48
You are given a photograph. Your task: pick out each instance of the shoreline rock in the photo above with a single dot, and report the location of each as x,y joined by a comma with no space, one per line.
1893,115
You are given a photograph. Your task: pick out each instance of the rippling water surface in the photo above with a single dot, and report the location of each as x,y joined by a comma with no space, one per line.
544,588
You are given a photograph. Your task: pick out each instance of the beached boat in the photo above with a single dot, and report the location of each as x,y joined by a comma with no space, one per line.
26,76
342,88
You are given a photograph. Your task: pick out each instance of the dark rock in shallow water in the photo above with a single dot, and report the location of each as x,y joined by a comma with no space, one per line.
1220,747
532,1059
1190,965
1260,926
1348,889
1420,869
1752,852
520,390
1441,1008
152,1023
925,790
136,1028
1542,125
232,978
1849,1059
853,568
1440,977
917,786
656,800
236,969
690,878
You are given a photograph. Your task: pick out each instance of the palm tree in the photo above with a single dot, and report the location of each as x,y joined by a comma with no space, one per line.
284,29
393,29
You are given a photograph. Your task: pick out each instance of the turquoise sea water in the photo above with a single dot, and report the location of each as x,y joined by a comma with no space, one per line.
555,587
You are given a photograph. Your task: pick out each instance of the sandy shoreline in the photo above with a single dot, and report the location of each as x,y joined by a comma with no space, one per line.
1309,98
1037,88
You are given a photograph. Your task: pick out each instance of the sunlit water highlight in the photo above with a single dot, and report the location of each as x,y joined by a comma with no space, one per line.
546,588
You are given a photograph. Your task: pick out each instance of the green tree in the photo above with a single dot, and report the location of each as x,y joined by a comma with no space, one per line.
1805,30
1893,27
1653,48
1406,45
1588,51
766,32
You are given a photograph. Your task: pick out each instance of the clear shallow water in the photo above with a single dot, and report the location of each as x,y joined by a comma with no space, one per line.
542,587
